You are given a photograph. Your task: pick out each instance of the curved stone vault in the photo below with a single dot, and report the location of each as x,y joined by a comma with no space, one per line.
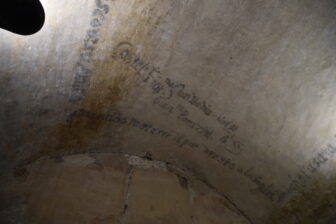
170,111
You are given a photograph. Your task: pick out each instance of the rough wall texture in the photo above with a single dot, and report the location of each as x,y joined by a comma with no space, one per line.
112,188
237,94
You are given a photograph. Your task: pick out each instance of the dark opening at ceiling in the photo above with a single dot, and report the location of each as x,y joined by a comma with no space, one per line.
24,17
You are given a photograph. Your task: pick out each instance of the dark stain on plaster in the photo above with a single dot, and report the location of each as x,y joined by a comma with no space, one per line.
58,159
20,172
316,205
110,85
148,156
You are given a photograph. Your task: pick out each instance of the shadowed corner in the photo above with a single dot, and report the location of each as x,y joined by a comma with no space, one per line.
23,17
331,220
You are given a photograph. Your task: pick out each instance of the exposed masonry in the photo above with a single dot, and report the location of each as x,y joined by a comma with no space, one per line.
182,174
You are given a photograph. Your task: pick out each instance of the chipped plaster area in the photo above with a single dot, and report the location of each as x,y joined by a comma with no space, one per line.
145,163
111,188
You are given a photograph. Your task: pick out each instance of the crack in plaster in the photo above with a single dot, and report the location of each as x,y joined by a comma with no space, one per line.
128,181
232,205
146,163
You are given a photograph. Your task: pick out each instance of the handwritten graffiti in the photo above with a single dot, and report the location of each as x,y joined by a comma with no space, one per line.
164,89
83,67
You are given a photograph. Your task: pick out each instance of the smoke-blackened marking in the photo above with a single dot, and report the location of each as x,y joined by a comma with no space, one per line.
83,70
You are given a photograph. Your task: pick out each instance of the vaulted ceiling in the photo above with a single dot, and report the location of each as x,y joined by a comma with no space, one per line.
170,111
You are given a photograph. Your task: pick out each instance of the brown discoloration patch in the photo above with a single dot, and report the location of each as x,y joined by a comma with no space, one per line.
316,205
110,83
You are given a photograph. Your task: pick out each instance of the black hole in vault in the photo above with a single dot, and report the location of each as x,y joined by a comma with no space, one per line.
23,17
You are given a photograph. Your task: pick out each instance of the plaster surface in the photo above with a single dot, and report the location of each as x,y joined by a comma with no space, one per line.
239,95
